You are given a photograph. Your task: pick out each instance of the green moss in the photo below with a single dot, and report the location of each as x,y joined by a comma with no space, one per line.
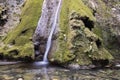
9,51
101,54
76,43
81,8
2,49
0,10
82,59
98,31
103,10
18,51
27,50
65,51
29,18
13,52
90,34
20,37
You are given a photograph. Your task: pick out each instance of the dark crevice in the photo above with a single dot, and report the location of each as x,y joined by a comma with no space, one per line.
13,42
39,48
1,56
76,28
100,63
14,52
27,59
88,23
54,37
98,43
23,59
24,31
8,58
11,58
3,20
4,12
94,12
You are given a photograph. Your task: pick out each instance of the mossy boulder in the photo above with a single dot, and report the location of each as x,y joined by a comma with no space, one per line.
18,42
77,43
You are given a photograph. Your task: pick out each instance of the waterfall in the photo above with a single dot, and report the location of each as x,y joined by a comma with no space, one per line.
51,33
50,13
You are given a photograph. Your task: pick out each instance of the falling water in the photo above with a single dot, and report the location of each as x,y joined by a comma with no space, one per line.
45,60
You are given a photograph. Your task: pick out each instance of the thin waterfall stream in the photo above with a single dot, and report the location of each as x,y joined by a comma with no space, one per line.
49,40
51,34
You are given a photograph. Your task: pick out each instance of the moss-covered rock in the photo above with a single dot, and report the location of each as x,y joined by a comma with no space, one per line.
18,42
77,43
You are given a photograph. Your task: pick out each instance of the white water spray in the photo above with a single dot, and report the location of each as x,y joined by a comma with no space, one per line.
49,41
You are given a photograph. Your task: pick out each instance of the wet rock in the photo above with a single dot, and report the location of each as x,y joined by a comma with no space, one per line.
44,27
74,66
77,67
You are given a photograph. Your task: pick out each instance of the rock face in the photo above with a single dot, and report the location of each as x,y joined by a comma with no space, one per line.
9,15
87,32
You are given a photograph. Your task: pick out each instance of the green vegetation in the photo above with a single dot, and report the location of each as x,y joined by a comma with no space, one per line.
63,53
97,30
0,10
81,8
20,38
76,43
29,18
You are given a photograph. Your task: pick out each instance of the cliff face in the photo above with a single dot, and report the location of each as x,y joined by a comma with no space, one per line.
88,33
